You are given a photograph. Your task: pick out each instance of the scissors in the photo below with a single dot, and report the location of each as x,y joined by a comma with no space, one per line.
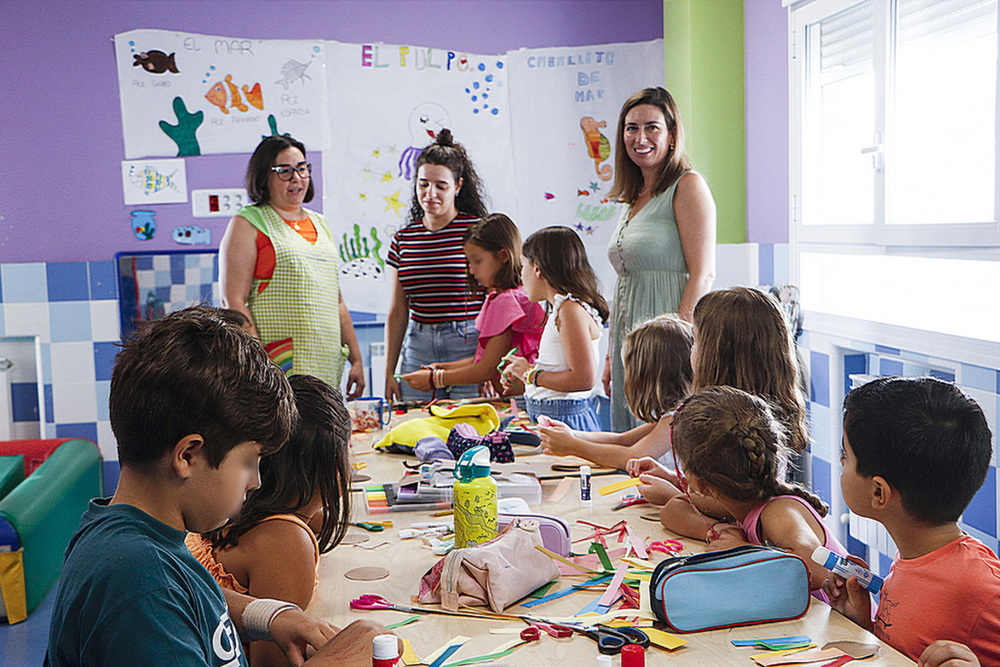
534,630
666,546
379,602
611,640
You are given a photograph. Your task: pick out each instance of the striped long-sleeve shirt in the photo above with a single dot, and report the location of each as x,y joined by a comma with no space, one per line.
432,270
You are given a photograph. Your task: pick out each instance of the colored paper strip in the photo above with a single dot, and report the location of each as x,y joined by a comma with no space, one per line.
618,486
409,656
611,594
602,555
561,490
664,639
406,621
456,642
637,544
771,640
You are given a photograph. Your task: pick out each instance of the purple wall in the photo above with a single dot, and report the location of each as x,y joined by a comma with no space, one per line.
60,119
766,46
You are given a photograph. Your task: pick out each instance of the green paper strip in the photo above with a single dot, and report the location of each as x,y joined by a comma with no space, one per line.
481,658
400,624
598,548
782,647
541,591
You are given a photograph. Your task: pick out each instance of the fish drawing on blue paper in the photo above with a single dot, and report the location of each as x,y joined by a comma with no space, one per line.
192,235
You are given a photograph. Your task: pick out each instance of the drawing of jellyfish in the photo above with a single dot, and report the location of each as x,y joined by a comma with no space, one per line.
293,71
150,180
598,146
425,121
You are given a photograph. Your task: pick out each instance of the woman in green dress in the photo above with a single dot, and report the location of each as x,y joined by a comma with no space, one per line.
663,248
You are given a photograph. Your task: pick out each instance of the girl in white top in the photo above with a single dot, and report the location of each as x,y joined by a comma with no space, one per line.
554,269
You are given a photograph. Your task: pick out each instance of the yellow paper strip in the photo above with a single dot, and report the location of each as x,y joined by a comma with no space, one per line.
409,655
459,640
787,651
641,576
801,658
664,639
645,598
553,555
618,486
634,562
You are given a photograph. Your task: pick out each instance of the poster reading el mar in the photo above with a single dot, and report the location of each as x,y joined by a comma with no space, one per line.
185,94
564,104
411,94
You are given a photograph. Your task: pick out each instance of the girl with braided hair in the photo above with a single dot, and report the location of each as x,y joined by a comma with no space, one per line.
733,452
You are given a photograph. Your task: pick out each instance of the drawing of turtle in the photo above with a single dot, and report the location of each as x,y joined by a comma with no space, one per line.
293,71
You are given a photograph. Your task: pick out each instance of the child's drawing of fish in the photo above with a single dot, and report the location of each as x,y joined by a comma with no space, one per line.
150,180
156,62
192,235
293,71
217,96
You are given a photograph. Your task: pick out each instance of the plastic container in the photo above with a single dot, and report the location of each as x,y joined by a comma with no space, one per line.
474,499
604,661
845,568
385,651
633,655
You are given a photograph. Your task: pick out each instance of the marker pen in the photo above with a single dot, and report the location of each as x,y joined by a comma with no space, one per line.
585,486
845,568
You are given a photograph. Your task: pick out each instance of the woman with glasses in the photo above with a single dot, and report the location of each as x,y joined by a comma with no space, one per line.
279,267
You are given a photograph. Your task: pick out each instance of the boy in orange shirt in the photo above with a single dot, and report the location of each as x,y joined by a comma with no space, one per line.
915,452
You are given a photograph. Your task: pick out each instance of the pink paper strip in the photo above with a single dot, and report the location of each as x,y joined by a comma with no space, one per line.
637,544
560,490
612,593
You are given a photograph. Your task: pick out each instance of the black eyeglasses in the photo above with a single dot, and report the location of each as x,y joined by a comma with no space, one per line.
284,171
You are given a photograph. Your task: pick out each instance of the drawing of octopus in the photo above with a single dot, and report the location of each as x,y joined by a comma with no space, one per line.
598,146
293,71
425,121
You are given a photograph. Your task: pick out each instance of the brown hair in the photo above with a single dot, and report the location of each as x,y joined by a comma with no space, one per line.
445,152
732,441
315,460
191,372
744,342
657,359
558,253
628,177
259,167
494,233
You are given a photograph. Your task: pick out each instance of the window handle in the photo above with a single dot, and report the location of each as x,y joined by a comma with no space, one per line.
875,150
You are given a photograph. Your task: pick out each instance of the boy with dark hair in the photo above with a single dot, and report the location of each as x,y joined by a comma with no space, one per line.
915,452
194,404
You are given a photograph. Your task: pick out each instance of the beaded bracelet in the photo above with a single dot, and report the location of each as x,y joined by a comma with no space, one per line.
531,377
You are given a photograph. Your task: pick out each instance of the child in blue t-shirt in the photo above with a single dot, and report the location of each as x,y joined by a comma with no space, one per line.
194,404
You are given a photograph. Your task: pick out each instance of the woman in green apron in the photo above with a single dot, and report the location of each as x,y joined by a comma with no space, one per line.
279,267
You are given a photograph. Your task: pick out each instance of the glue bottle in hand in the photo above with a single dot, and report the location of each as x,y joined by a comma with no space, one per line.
385,651
474,499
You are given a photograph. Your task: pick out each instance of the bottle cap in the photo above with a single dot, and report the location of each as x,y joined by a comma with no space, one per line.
604,661
821,556
633,655
385,647
474,463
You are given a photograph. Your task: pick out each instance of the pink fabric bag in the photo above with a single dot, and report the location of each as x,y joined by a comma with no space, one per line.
496,574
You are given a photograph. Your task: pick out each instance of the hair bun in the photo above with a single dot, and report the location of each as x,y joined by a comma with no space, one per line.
444,138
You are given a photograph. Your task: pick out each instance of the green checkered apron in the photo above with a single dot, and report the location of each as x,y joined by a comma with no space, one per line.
297,314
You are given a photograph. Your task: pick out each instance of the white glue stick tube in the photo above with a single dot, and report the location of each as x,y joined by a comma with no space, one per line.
585,486
845,568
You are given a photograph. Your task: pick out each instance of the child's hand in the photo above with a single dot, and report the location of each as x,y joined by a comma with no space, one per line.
849,597
515,369
944,653
650,466
557,438
419,379
725,536
656,490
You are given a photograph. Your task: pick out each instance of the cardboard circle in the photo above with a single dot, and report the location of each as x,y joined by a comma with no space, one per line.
354,538
367,573
358,477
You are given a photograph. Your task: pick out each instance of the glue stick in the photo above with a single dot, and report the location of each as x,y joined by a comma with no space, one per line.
385,651
845,568
585,486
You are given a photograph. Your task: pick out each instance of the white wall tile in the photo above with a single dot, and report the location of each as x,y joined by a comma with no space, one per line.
74,402
104,320
736,264
71,363
106,441
27,319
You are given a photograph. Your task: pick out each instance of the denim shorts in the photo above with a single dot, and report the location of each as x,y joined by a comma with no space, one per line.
577,413
427,343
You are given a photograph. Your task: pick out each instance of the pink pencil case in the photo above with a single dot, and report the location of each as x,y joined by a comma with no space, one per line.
554,531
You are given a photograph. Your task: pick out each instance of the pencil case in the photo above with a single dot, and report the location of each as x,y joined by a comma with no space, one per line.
554,531
745,585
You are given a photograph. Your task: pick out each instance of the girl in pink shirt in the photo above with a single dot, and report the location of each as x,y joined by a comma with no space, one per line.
508,318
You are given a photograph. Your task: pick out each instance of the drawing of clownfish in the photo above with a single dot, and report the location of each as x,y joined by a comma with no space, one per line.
156,62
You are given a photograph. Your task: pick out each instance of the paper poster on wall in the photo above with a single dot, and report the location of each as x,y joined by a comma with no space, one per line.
184,94
410,94
154,182
564,107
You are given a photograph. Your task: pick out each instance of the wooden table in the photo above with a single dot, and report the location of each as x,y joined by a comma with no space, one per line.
407,561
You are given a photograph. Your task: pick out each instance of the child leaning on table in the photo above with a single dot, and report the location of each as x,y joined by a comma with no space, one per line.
269,549
657,359
732,450
194,404
915,452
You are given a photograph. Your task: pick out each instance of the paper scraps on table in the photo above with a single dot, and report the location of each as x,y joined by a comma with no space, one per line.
613,590
664,639
805,658
437,658
774,643
786,651
409,656
405,621
618,486
560,491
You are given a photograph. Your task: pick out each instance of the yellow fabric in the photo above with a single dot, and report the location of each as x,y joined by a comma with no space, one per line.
481,416
12,585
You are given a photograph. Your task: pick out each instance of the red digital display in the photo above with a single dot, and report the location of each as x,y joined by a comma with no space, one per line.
213,203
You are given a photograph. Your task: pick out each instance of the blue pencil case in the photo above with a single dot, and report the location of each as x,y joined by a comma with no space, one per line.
741,586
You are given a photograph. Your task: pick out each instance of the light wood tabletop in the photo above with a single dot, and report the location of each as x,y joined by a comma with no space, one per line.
408,560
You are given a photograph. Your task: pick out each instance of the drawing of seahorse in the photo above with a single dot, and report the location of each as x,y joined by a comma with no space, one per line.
424,123
598,146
